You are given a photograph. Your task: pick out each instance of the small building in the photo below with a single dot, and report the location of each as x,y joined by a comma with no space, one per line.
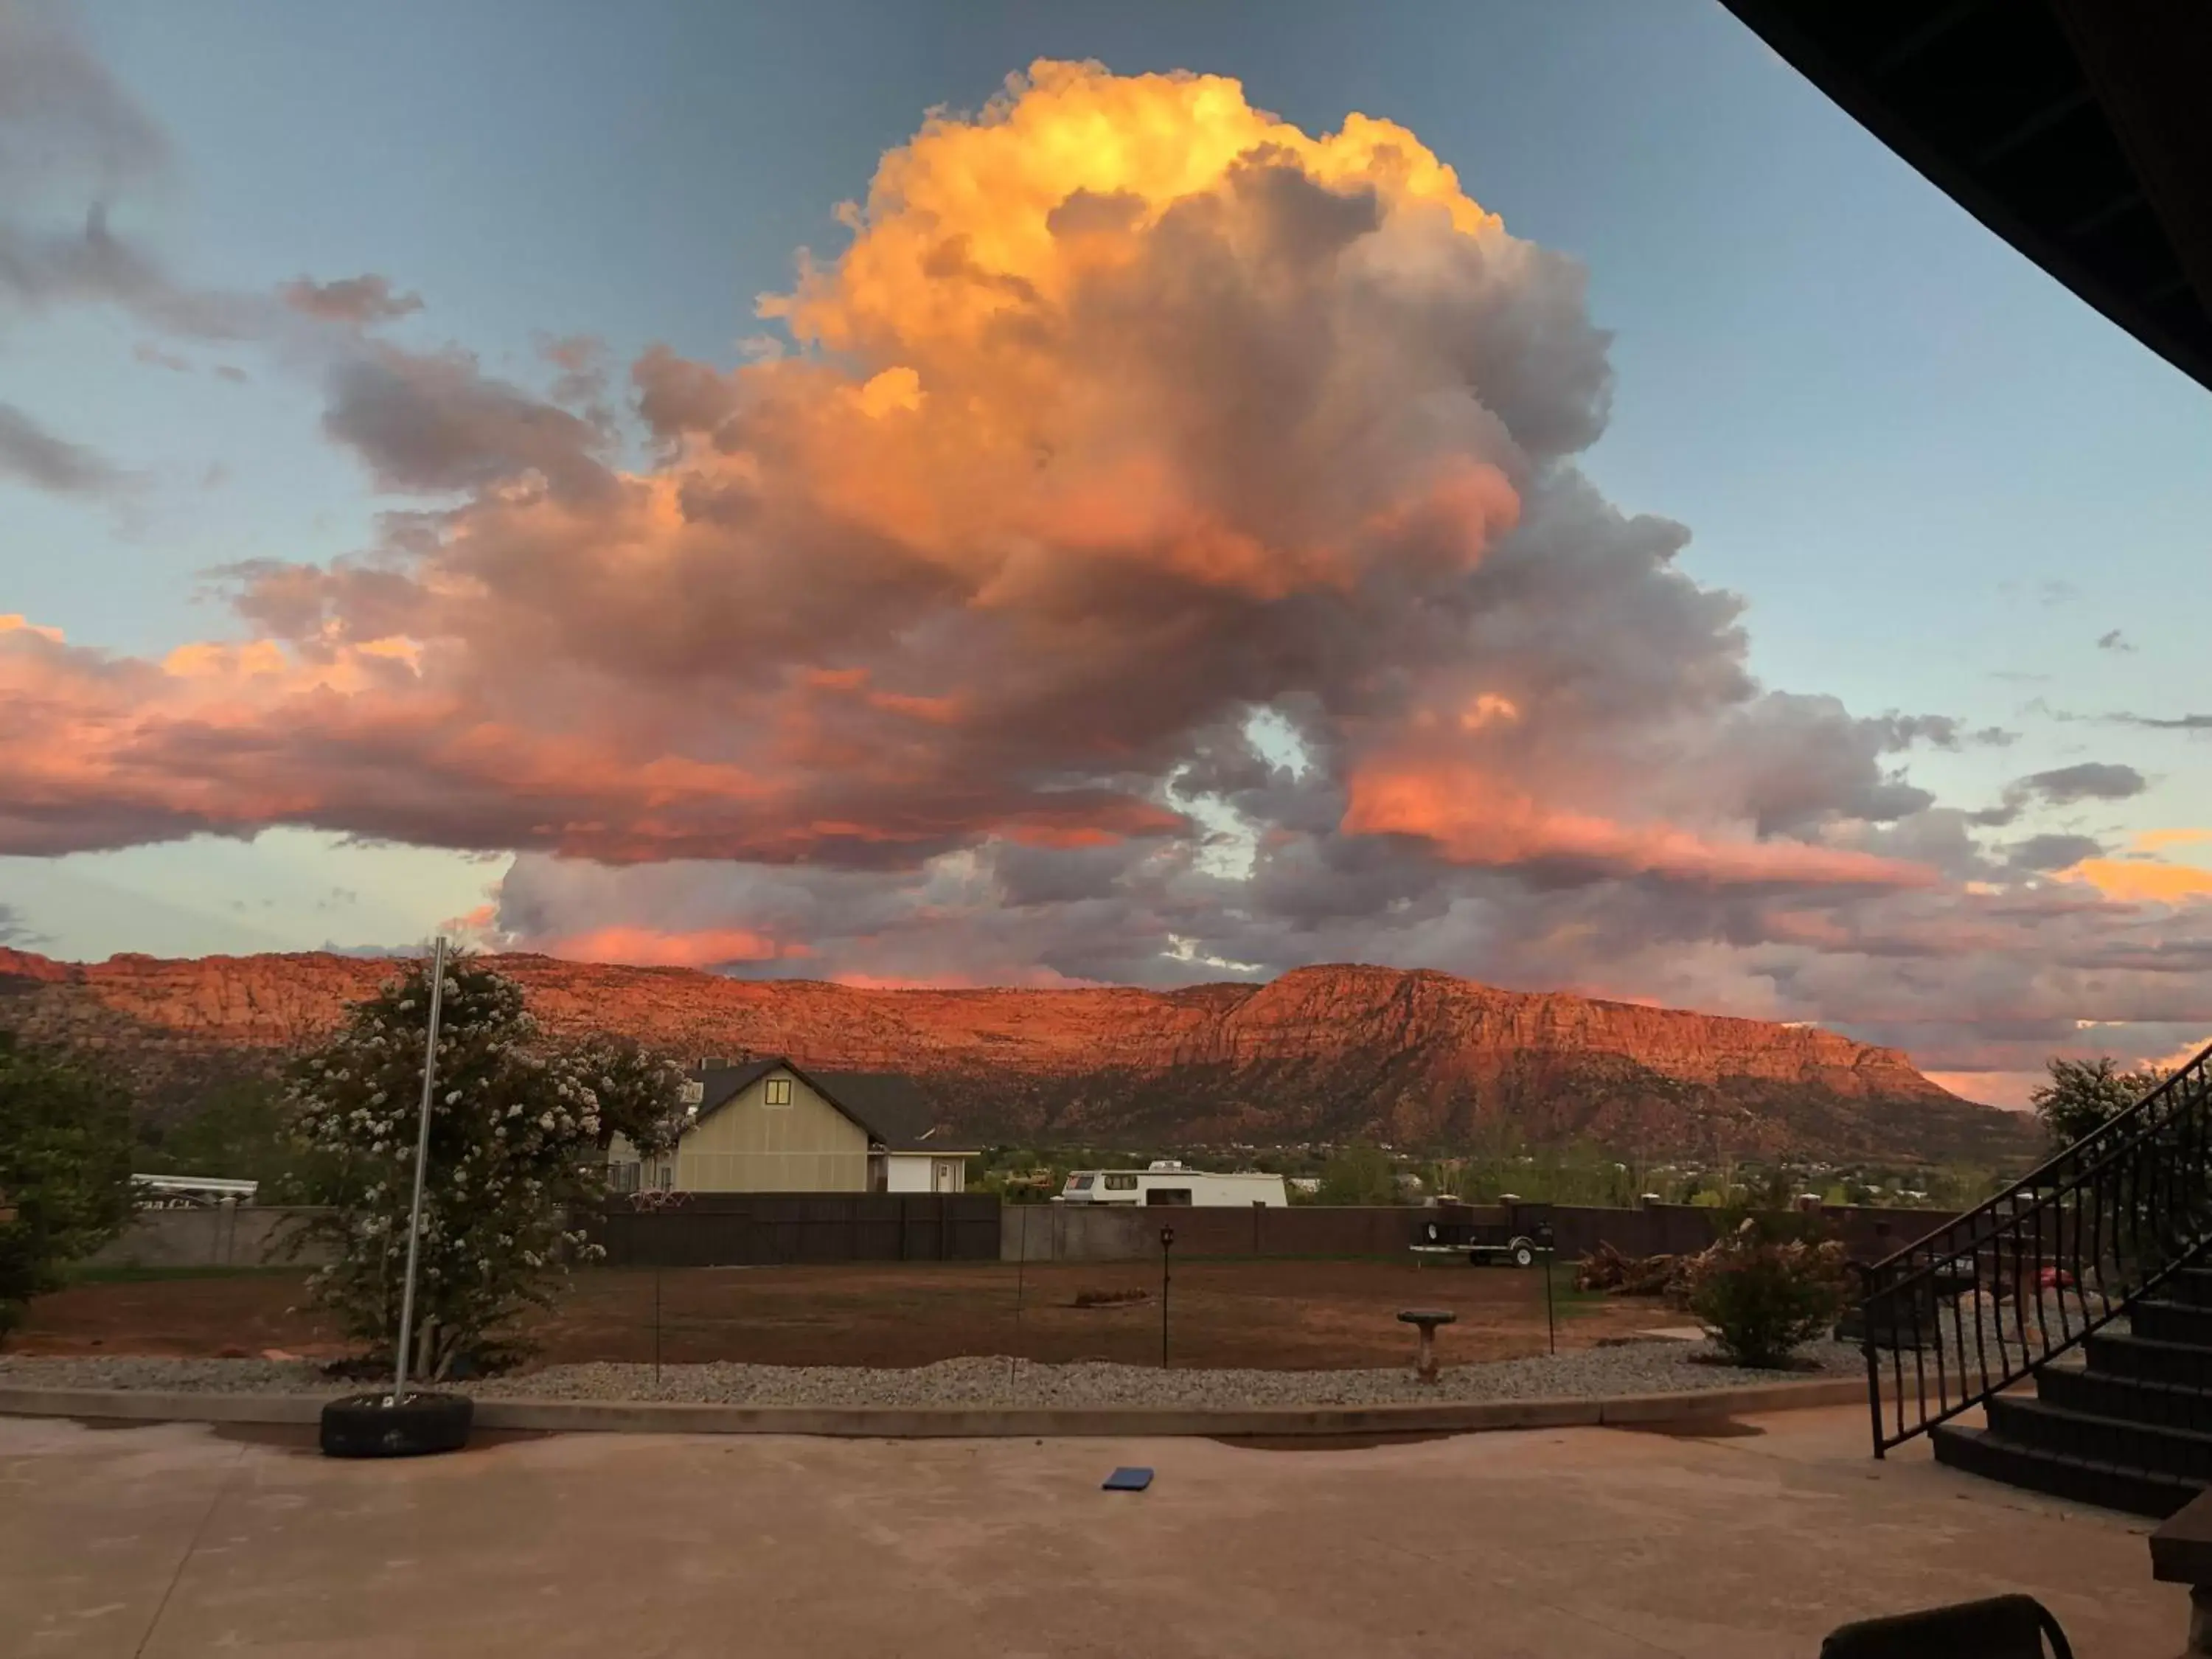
766,1125
916,1153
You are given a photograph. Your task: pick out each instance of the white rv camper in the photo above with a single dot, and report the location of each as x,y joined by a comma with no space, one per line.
1166,1183
154,1192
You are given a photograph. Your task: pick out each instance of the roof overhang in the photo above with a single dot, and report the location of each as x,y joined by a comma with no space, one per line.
2076,130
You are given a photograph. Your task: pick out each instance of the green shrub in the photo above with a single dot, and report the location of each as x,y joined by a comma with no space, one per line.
1359,1175
1763,1300
64,1167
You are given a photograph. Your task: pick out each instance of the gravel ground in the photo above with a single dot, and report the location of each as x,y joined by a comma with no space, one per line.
1647,1367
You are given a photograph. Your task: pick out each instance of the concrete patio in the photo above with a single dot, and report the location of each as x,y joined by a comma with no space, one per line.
1569,1544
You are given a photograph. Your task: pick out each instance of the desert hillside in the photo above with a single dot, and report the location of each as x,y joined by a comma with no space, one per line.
1323,1053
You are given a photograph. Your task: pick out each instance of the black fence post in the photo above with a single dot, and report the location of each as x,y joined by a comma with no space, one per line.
1551,1325
1167,1244
1021,1276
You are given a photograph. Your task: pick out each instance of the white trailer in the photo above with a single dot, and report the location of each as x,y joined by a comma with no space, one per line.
154,1192
1171,1184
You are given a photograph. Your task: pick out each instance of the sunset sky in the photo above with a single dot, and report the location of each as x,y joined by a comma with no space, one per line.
963,494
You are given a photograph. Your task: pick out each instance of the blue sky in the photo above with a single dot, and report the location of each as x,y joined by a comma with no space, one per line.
1937,478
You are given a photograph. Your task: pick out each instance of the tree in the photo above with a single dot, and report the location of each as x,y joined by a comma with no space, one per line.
1359,1174
240,1130
64,1167
639,1093
2083,1095
516,1141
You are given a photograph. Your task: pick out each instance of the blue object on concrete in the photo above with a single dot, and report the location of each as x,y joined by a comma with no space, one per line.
1128,1481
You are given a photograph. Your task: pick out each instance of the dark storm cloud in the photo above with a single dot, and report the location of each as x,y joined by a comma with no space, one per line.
2089,780
32,455
434,423
2165,723
2053,852
2065,785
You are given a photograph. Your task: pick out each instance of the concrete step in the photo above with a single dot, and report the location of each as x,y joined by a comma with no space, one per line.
2191,1285
2131,1398
2186,1363
2162,1321
2117,1442
2134,1492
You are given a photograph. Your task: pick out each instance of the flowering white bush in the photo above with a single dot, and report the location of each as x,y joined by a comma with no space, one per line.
639,1093
517,1134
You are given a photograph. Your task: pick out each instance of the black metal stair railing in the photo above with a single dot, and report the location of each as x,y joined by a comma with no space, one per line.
1979,1305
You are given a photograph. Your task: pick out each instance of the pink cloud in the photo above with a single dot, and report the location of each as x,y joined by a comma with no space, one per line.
641,947
1164,559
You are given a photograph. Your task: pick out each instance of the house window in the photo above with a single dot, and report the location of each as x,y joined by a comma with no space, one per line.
1121,1183
777,1091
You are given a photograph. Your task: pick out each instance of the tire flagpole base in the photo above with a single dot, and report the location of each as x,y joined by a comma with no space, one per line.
376,1425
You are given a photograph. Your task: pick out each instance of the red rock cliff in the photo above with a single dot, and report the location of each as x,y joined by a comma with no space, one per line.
1324,1052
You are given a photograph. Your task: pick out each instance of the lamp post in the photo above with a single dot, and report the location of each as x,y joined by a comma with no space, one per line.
1167,1244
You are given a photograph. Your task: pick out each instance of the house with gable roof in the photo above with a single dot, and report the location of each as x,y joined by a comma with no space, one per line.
765,1125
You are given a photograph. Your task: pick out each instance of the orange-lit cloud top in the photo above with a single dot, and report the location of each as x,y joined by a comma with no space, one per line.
2148,876
644,947
1131,408
975,220
1474,818
2143,881
1160,543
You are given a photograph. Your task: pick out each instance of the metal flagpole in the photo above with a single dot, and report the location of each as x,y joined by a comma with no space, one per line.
421,1159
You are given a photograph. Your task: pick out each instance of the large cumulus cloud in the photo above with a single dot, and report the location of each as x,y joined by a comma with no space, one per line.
1159,553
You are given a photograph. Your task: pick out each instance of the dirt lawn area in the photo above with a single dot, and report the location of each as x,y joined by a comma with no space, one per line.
1287,1315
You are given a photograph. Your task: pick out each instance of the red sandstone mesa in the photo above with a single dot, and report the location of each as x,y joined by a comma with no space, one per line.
1325,1053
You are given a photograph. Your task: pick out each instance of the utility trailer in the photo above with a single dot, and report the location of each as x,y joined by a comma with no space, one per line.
1523,1235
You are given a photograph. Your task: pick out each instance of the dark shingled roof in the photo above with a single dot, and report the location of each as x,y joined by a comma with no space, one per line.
721,1084
890,1105
894,1103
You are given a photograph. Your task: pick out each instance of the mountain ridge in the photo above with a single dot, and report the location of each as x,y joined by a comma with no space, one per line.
1331,1052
